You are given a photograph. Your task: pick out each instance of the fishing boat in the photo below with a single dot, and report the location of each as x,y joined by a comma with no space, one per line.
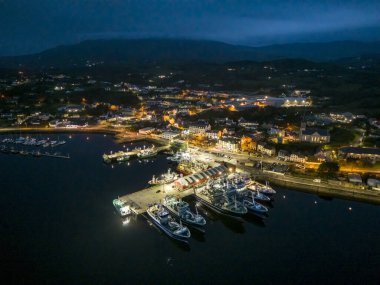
161,218
108,158
182,211
23,152
217,200
253,206
123,158
4,149
37,153
258,195
264,188
121,207
148,152
14,151
165,178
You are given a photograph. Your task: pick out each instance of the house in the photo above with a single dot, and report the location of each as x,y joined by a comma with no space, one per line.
360,153
354,178
264,148
247,124
294,157
199,128
169,135
314,135
212,134
282,154
229,143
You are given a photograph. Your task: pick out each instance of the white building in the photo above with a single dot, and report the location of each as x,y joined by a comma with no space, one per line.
169,135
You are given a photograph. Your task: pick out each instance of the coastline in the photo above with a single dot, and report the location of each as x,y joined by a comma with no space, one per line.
354,193
294,183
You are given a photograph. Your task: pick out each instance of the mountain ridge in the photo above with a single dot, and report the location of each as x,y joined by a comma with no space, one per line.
153,51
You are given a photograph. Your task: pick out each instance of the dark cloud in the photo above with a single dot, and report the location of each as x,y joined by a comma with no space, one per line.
29,26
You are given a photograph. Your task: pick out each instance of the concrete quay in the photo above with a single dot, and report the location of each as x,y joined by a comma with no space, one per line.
141,200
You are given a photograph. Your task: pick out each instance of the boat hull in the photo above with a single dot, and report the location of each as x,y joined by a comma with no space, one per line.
165,229
186,222
219,210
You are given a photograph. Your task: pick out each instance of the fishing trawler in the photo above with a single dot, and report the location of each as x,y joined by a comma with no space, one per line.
258,195
216,198
252,205
161,218
165,178
181,210
264,188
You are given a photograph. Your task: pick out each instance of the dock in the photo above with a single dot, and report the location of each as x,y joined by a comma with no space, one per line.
132,153
148,196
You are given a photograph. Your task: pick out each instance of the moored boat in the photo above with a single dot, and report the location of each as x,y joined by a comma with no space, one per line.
165,178
264,188
218,201
258,195
253,206
148,152
161,218
121,207
182,211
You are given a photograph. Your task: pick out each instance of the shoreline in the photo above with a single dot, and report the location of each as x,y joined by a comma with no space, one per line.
58,130
294,183
324,189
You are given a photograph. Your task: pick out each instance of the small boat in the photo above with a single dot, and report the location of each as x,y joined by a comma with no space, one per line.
121,207
46,144
37,153
20,140
4,150
14,151
181,210
123,158
148,152
23,152
161,218
58,143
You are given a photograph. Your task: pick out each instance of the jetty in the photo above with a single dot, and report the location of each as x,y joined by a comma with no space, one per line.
112,157
141,200
181,188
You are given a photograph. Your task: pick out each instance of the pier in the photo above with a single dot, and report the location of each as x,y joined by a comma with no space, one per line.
112,157
141,200
181,188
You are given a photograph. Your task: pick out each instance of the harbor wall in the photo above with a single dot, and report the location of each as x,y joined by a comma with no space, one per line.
325,189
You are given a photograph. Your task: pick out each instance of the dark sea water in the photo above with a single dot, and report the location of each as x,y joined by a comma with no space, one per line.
58,226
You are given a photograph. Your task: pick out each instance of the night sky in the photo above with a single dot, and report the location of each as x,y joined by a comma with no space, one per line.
28,26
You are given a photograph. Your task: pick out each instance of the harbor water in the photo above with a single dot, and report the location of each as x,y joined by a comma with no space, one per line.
58,226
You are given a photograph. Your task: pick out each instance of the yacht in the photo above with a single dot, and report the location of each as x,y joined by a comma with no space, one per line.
161,218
